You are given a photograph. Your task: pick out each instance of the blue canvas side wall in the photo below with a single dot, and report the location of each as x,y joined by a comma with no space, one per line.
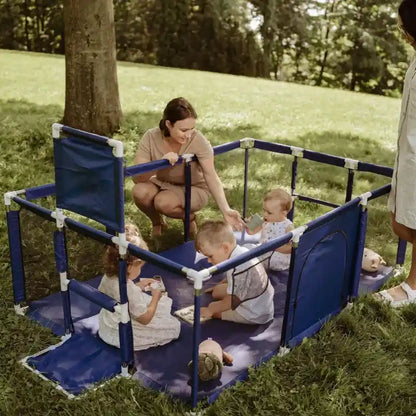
323,272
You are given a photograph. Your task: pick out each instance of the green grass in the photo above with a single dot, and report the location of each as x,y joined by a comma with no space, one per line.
359,364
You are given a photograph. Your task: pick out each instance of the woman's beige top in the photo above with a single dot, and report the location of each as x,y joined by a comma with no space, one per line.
151,149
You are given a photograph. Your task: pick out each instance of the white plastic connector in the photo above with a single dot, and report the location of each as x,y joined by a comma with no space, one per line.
118,147
298,232
297,151
59,217
283,351
56,130
351,163
124,371
8,196
122,243
65,337
64,281
197,277
187,157
20,310
364,198
247,143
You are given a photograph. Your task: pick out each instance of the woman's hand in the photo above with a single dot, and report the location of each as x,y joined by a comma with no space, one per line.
205,313
172,157
233,218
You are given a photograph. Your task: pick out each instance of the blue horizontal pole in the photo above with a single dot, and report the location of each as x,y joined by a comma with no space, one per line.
317,201
335,212
30,206
273,147
381,170
383,190
270,245
92,294
96,138
40,191
89,231
155,259
223,148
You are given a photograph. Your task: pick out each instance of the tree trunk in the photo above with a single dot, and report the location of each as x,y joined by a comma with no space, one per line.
91,93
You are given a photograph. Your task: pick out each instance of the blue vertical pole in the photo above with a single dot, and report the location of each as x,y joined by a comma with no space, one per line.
350,185
61,261
285,336
188,183
196,338
401,251
16,255
246,159
362,229
125,329
291,214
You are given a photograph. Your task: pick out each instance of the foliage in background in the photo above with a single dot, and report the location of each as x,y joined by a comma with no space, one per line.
351,44
359,364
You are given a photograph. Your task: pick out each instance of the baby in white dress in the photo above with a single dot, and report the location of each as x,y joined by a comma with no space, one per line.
276,205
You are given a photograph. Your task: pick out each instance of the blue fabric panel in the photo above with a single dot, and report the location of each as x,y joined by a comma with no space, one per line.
16,256
79,362
92,294
87,182
60,251
323,271
165,368
40,191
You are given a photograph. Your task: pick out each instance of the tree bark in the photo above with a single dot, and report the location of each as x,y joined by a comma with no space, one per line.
91,93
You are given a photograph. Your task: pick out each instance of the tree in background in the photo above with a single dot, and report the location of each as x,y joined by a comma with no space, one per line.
349,44
91,93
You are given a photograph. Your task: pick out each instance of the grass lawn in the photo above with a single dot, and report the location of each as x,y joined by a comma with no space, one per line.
360,363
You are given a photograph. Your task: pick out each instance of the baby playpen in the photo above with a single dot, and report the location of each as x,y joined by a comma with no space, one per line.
324,275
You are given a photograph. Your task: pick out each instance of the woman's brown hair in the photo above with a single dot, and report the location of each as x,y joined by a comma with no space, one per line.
176,109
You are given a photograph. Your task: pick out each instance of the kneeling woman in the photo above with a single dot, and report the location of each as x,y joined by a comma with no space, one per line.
163,192
151,317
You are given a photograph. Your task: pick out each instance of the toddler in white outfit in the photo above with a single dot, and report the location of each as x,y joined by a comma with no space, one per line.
276,205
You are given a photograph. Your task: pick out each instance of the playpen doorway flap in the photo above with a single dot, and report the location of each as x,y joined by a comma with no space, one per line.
324,275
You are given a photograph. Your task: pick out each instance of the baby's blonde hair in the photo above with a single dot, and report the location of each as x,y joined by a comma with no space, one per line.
214,233
110,258
284,198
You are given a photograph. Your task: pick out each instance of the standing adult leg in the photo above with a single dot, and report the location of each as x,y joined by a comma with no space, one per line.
409,235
